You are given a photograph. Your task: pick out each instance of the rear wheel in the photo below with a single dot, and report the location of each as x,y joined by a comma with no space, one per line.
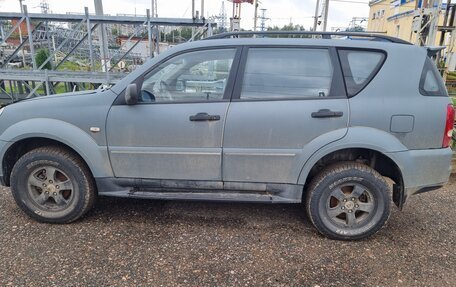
348,201
51,184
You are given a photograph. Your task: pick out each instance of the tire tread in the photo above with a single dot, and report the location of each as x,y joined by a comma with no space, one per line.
332,170
71,157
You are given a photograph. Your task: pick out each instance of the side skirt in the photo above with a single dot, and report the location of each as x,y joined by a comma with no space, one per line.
200,190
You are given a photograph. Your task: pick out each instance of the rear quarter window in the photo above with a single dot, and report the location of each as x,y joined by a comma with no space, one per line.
359,68
431,84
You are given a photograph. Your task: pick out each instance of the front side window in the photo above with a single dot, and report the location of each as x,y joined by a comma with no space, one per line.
194,76
278,73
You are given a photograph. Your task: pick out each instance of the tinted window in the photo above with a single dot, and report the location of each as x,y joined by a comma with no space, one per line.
359,67
431,83
194,76
274,73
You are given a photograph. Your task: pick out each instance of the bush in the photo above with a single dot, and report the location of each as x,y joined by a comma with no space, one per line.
40,58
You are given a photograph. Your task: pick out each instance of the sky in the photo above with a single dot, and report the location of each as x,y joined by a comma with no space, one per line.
280,12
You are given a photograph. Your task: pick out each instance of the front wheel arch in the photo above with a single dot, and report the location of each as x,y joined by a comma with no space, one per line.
21,147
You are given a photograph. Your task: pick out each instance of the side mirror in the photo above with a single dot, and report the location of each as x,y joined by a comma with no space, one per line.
131,94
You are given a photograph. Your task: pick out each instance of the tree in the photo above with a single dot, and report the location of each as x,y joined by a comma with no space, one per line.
41,56
355,28
290,27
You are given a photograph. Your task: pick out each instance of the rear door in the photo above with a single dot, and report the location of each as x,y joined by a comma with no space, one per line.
285,97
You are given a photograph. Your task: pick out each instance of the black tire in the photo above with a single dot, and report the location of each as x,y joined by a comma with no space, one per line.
336,210
53,185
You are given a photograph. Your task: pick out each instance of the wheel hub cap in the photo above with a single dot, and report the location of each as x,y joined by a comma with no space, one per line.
349,205
50,188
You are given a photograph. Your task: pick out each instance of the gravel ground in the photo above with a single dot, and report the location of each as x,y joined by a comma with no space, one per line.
126,242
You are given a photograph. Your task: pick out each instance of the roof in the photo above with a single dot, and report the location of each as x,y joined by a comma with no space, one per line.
307,34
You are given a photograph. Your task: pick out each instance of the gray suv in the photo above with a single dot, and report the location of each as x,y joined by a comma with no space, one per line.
344,126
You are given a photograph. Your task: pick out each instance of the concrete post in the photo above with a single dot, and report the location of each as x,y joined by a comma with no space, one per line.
317,8
30,36
89,38
149,35
105,63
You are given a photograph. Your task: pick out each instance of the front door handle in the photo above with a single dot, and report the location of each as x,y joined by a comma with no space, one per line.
203,117
326,113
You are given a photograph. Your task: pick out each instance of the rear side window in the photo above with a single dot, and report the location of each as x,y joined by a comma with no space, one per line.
359,67
283,73
431,83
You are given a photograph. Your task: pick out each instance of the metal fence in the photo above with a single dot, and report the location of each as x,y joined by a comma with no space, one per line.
77,38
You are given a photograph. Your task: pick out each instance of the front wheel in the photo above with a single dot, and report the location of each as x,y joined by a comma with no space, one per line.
348,201
51,184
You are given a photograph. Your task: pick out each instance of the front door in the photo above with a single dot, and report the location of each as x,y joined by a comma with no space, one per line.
285,99
176,129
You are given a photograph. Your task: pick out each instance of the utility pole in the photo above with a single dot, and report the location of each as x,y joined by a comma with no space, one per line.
436,6
202,9
255,17
263,19
102,38
20,33
425,22
154,29
154,8
317,8
325,16
222,18
44,5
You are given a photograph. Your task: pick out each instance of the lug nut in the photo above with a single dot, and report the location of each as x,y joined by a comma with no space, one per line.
353,199
345,200
356,205
47,192
343,207
50,181
57,187
349,211
44,185
55,193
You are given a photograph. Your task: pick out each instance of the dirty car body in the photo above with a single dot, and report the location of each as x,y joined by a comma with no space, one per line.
257,120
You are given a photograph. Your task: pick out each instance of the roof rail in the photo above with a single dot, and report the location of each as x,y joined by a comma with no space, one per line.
324,35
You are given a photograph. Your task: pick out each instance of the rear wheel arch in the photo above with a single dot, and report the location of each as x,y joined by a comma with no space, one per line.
375,159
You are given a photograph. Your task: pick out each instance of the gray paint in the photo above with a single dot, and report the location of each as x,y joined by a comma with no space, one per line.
265,141
159,141
402,123
254,142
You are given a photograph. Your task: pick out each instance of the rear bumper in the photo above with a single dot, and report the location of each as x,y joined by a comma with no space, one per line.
423,170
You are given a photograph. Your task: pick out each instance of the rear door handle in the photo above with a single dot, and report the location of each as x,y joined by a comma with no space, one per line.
203,117
326,113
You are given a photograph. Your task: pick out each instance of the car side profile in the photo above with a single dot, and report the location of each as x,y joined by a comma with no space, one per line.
344,126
